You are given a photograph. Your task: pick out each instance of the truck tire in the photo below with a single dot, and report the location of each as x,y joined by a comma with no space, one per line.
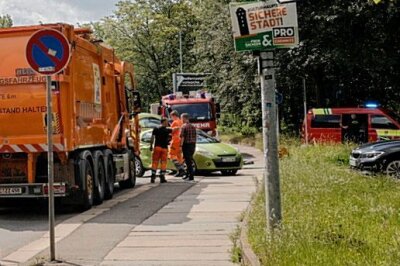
99,177
139,167
110,175
88,183
131,181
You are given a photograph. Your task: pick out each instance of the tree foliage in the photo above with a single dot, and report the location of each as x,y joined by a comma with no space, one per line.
146,32
5,21
349,53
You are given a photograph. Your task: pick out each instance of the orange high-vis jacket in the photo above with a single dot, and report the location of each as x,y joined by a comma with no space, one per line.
176,135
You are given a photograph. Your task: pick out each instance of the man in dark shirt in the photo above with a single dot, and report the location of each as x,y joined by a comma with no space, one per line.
160,138
188,142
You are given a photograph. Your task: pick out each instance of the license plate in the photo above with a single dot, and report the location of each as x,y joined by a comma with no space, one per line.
229,159
10,190
353,162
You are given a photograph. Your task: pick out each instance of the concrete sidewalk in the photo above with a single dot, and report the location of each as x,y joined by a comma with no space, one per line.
195,228
177,223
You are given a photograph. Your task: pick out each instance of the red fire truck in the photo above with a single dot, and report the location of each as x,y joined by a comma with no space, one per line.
200,105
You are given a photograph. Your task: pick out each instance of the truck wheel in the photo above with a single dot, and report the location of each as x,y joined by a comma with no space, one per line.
100,178
139,167
88,193
131,181
109,189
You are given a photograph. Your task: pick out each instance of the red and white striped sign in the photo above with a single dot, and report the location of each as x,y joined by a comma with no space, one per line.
29,148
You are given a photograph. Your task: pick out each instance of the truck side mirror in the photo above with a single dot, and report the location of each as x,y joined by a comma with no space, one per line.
218,115
137,102
218,108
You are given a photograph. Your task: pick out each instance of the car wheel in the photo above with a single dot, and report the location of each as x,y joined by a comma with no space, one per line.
228,172
139,167
393,169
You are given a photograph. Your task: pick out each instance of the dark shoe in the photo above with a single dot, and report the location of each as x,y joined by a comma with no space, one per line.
162,179
152,179
173,172
185,177
180,173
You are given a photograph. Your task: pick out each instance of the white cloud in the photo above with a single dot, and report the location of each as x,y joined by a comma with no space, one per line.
29,12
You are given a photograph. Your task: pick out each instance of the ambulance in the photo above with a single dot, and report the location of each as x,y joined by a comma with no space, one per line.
333,124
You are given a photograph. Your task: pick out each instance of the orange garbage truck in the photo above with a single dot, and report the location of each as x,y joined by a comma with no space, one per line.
94,98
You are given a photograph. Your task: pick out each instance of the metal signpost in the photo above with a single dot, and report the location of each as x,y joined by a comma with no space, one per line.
263,27
48,53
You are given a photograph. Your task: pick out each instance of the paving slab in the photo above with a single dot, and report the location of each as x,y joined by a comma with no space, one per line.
170,253
194,228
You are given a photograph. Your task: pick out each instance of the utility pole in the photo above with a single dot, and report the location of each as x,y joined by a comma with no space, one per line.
270,136
305,111
180,51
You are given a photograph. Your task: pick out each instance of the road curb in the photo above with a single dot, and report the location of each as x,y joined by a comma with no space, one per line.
248,255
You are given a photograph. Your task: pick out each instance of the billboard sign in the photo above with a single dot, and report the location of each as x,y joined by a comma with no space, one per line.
186,82
266,25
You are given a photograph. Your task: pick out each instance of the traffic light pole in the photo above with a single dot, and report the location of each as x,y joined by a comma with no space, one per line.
270,137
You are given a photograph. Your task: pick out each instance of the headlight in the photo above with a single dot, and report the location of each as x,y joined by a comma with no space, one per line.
205,153
371,154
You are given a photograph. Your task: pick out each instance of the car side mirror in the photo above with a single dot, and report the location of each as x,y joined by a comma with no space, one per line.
137,102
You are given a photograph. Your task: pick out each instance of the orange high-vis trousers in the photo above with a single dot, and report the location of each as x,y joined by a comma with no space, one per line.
175,152
160,155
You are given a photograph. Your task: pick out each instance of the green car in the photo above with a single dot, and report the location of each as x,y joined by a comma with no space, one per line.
148,121
211,155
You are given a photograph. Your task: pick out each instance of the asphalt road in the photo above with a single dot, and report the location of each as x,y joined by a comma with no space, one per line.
22,222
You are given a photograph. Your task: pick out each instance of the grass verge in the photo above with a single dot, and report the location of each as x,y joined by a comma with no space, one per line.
331,215
238,138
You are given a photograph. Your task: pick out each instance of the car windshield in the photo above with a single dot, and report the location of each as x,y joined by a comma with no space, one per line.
393,115
198,111
149,122
146,137
204,138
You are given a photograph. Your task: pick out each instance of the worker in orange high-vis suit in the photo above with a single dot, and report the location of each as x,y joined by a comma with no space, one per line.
175,149
160,138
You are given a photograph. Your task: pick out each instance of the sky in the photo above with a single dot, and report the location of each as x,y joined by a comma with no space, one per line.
30,12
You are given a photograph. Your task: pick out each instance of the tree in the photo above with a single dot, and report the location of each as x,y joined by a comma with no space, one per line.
145,32
349,53
5,21
234,76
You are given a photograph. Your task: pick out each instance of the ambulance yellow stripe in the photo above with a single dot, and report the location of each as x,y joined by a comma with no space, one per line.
388,132
322,111
318,111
